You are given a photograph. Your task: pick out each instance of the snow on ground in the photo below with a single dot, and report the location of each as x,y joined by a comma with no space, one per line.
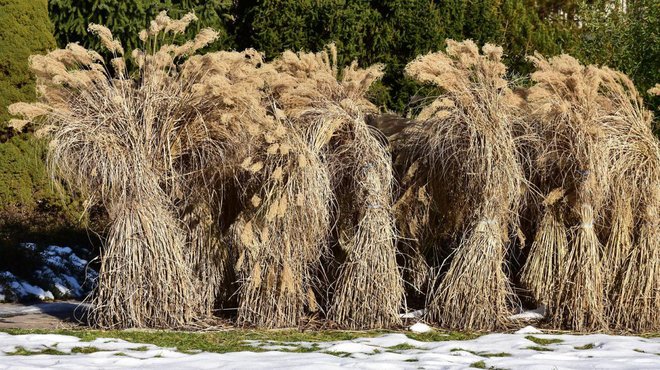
390,351
60,273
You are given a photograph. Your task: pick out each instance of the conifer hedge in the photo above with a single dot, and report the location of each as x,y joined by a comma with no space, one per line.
28,201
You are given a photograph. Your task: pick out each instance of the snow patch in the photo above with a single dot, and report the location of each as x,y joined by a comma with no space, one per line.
512,350
529,330
413,314
530,315
61,272
420,328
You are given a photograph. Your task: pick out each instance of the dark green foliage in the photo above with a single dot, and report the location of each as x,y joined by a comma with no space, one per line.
125,18
23,178
410,28
32,207
452,17
482,21
272,26
627,41
25,30
28,202
556,8
392,32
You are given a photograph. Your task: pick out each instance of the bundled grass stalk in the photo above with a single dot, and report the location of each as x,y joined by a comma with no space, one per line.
128,142
465,147
620,237
544,268
370,264
208,256
635,292
636,302
413,217
282,238
476,278
412,210
282,192
228,90
581,297
564,104
329,113
145,280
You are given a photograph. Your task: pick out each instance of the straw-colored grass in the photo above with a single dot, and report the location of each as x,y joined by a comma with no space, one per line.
328,111
208,255
564,106
635,230
544,268
369,289
465,147
145,279
283,237
582,292
128,142
475,293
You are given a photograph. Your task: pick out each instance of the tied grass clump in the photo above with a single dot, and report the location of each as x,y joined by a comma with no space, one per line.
462,153
633,242
596,246
129,141
327,109
563,105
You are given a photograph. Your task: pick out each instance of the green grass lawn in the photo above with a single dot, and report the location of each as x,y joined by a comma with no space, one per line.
234,340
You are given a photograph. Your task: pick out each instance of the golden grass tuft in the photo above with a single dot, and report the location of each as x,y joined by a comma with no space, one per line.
281,240
564,106
544,269
635,248
464,145
328,111
145,280
130,143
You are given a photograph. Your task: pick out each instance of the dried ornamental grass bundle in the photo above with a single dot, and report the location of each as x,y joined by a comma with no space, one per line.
465,147
127,142
282,217
633,248
162,293
228,91
280,237
370,262
207,252
564,105
636,298
542,272
416,223
278,233
412,211
328,110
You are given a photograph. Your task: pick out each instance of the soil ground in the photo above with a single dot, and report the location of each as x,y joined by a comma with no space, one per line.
54,315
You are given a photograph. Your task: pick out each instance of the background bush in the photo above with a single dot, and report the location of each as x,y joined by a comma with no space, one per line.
628,41
25,30
29,204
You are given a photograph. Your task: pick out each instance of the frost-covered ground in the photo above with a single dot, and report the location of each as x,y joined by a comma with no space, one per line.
58,274
391,351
